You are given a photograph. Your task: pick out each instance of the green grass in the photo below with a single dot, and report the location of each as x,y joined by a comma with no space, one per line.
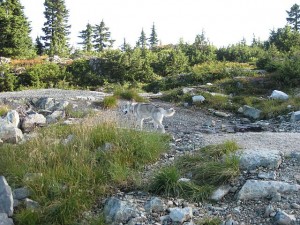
208,168
77,174
210,221
77,113
3,109
110,102
128,94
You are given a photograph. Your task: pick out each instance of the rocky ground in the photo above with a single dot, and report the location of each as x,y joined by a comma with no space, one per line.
193,128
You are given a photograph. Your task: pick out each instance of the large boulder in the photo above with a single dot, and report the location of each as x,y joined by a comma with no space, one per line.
13,118
256,189
180,215
6,197
10,134
252,159
295,116
4,220
33,120
279,95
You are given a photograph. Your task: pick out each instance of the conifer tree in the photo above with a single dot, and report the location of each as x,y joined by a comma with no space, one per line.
56,28
102,38
14,30
87,36
153,41
142,42
39,46
125,46
294,17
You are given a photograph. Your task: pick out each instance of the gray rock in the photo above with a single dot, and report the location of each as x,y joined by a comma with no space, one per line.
55,116
21,193
117,211
295,117
155,204
256,189
33,120
10,134
218,194
181,215
222,114
30,204
271,175
45,103
198,99
6,197
13,118
252,159
4,220
279,95
282,218
268,211
250,112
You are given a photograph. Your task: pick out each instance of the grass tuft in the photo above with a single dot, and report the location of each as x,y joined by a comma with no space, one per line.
110,102
3,109
207,169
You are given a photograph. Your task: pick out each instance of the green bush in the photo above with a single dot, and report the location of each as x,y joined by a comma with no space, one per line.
7,79
46,75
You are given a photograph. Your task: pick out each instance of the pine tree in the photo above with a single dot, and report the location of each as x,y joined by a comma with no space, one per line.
14,30
142,42
56,28
87,36
39,46
294,17
125,46
153,41
102,37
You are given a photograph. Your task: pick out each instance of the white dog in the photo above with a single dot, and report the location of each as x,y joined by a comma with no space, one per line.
144,111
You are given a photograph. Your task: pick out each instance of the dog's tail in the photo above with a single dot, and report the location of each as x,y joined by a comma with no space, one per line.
169,112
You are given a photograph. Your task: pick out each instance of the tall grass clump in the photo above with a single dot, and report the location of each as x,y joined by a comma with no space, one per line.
210,167
66,178
128,94
3,109
110,102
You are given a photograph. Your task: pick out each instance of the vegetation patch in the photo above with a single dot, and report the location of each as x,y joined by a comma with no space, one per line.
205,170
96,161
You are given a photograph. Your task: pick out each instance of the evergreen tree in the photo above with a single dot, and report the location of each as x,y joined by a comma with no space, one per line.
87,36
125,46
14,30
102,38
294,17
153,41
39,46
56,27
142,42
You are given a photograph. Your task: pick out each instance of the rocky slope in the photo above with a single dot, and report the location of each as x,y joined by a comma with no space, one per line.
277,172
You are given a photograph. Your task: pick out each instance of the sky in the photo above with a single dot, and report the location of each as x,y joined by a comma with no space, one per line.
223,22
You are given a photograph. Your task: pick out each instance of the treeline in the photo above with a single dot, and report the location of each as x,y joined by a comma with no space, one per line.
160,67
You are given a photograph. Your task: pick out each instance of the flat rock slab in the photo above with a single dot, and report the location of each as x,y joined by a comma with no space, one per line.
256,189
252,159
